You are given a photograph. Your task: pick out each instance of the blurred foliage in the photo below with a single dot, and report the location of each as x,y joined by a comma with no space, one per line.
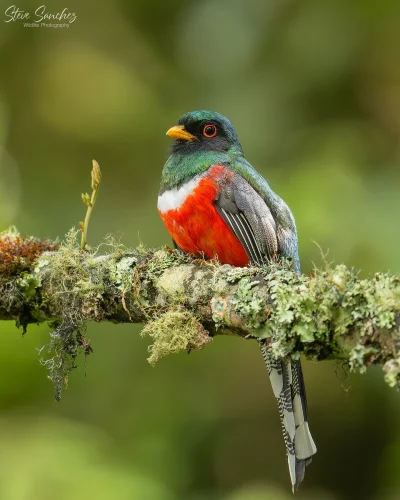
313,89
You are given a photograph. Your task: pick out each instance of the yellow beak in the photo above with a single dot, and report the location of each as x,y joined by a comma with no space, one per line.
179,132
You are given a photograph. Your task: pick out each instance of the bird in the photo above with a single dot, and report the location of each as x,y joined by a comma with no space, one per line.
215,205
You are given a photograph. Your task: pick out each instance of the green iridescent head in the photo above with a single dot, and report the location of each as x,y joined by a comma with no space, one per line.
204,131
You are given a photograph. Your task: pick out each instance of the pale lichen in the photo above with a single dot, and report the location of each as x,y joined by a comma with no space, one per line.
121,275
392,372
360,357
249,304
164,259
171,282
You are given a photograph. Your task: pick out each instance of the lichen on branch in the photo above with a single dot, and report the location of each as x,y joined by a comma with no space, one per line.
331,314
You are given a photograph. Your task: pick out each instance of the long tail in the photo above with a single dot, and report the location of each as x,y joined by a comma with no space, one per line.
288,386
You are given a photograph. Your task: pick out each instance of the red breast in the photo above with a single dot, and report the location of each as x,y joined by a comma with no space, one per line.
194,223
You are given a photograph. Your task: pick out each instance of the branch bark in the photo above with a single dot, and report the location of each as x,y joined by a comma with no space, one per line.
331,314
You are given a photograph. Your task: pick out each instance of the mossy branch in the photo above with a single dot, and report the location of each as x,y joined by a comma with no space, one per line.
332,314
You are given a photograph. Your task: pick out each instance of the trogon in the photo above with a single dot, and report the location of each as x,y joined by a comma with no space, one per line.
216,205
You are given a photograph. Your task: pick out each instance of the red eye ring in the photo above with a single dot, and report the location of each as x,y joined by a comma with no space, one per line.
209,130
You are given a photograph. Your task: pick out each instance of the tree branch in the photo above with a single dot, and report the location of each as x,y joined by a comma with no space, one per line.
331,314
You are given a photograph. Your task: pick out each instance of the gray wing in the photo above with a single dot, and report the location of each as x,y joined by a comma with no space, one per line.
250,218
286,233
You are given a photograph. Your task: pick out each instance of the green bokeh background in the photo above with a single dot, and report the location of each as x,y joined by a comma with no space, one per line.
313,89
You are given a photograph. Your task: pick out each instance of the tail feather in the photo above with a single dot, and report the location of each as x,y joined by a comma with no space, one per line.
288,387
303,442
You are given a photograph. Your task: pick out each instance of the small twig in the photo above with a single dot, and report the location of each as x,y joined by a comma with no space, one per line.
89,202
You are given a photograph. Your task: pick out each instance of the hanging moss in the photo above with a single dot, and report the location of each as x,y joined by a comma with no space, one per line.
174,331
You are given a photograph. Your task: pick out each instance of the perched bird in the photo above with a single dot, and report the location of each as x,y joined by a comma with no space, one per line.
214,204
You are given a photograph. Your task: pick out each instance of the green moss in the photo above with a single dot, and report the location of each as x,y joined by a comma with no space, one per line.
174,331
27,285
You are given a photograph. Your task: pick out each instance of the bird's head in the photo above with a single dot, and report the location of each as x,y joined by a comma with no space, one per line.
204,131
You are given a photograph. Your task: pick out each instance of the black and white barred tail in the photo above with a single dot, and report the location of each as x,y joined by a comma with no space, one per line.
288,387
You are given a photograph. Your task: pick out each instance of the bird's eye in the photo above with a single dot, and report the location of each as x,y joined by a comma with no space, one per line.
209,131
